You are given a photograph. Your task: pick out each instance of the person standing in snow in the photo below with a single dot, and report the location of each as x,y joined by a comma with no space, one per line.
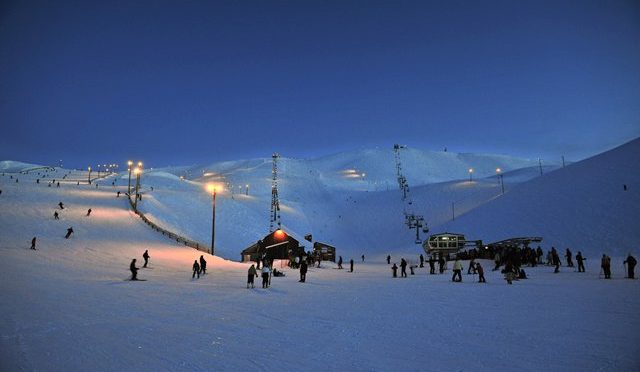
134,270
351,264
389,260
394,269
508,272
569,260
265,274
496,259
203,265
432,265
605,263
33,243
555,259
145,255
580,261
69,232
457,271
421,260
56,216
340,262
403,268
441,263
251,274
480,272
472,267
631,264
196,269
362,258
61,205
303,271
89,212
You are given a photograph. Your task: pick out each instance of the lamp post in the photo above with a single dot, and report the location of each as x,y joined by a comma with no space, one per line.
213,190
499,171
470,174
137,171
246,190
129,163
89,177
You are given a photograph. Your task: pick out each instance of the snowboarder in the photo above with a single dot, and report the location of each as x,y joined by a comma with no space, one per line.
457,271
303,271
89,212
605,263
631,264
56,216
432,265
480,272
580,261
421,260
196,269
134,270
403,268
69,232
61,205
569,260
394,269
340,263
389,260
265,275
145,255
33,243
203,265
351,264
251,274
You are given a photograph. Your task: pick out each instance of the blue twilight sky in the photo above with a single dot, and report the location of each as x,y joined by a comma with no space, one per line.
181,82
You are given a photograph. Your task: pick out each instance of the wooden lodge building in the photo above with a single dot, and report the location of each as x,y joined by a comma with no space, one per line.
277,245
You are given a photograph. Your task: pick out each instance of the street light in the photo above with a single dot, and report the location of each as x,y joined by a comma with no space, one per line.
212,190
470,174
499,171
129,163
137,171
89,178
246,190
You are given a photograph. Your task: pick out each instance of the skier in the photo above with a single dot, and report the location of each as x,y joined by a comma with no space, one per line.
61,205
605,263
134,270
631,264
569,260
69,232
362,258
265,275
388,259
203,265
56,216
472,267
251,275
303,271
196,269
480,272
457,271
351,264
441,263
580,261
394,268
421,260
145,255
432,265
555,259
89,212
340,262
33,243
403,268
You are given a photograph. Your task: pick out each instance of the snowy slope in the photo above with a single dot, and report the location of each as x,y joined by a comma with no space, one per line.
66,306
582,206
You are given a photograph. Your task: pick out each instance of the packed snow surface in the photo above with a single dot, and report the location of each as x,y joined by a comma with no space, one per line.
68,306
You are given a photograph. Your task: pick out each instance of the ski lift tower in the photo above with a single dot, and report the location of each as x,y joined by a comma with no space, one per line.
412,220
275,203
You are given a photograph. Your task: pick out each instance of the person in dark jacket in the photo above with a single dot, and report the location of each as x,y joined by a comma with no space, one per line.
61,205
362,258
56,216
389,260
33,243
605,263
432,265
569,259
69,232
580,261
134,270
403,268
340,262
303,271
89,212
480,272
555,259
203,265
351,265
421,260
394,269
145,255
196,269
251,274
441,263
631,264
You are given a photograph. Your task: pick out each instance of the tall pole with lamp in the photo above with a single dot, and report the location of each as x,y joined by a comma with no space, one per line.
213,191
89,177
499,171
129,163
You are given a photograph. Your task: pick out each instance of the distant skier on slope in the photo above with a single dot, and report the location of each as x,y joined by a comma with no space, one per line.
145,255
631,264
61,205
203,265
134,270
89,212
196,269
351,265
403,268
33,243
389,260
69,232
394,269
56,216
580,261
